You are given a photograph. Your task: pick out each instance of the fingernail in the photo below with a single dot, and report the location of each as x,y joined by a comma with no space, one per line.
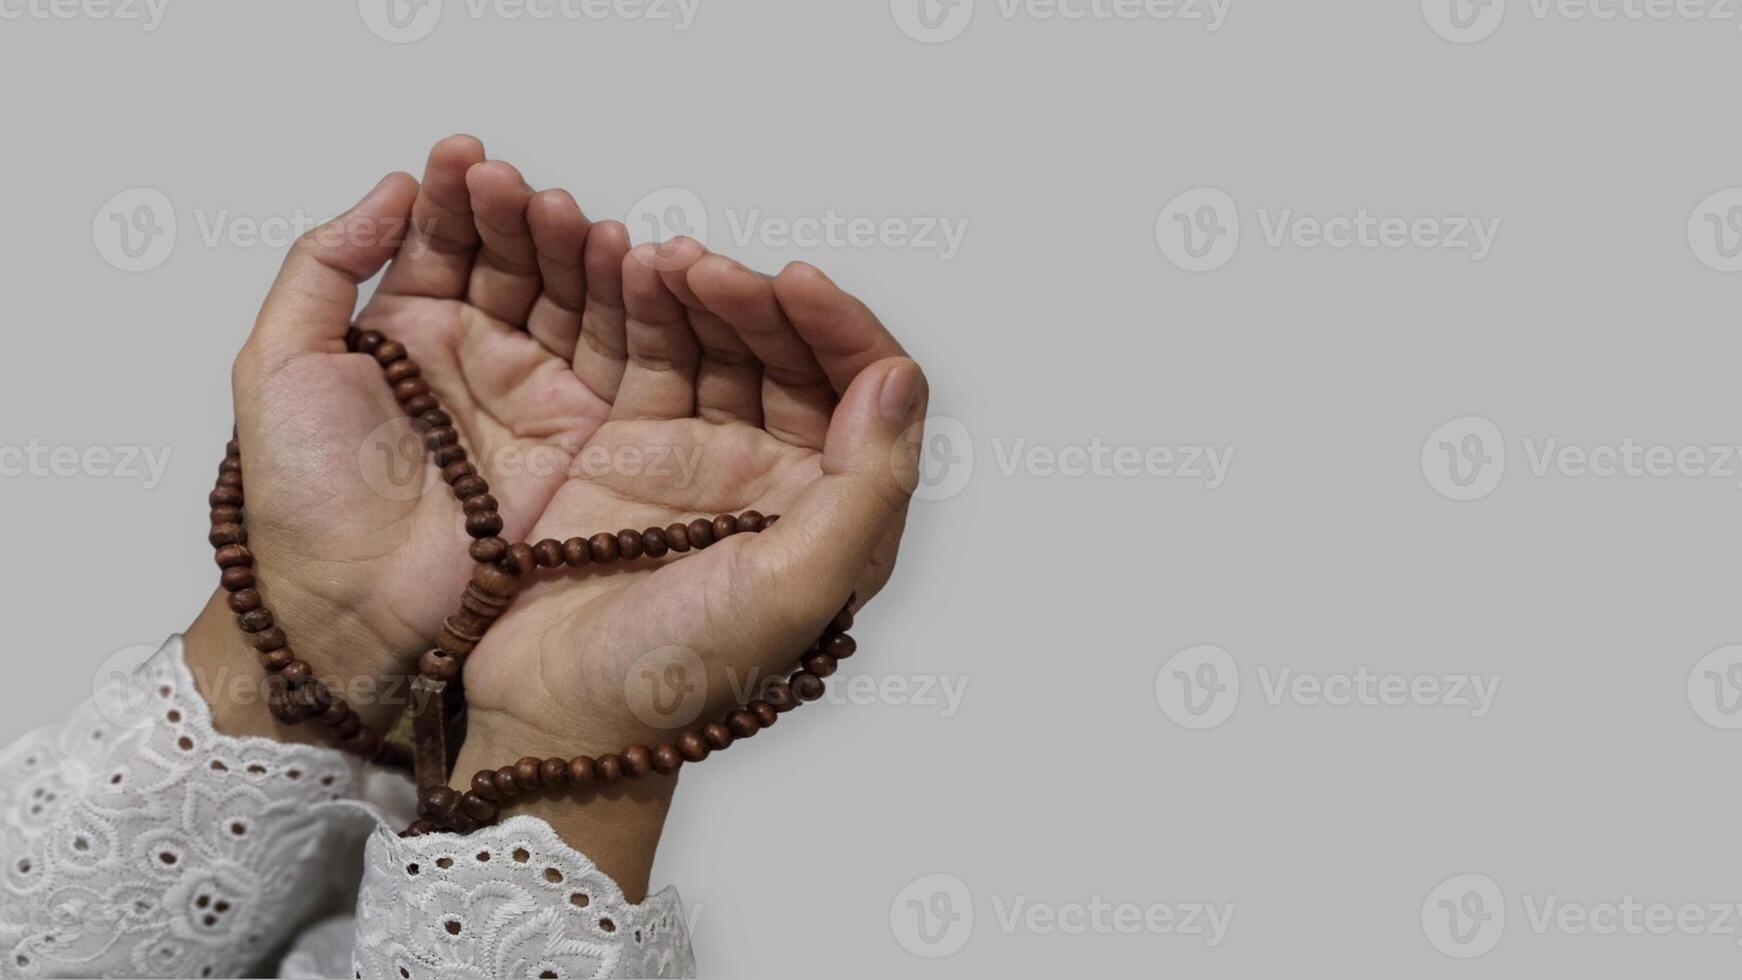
900,394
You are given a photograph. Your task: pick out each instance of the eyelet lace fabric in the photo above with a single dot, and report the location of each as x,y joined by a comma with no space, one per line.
137,841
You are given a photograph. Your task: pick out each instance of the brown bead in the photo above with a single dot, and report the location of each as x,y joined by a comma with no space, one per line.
742,724
526,773
225,497
234,556
230,478
389,352
693,746
677,537
576,552
276,660
554,772
226,514
779,693
421,405
335,714
484,785
455,640
548,553
267,641
255,620
840,646
438,665
434,439
701,532
751,521
717,735
364,744
478,808
296,673
807,686
725,526
484,524
580,770
435,418
488,550
607,769
479,503
820,664
666,759
347,728
506,786
653,543
455,472
765,714
628,544
603,547
246,600
410,388
238,578
401,371
230,464
494,580
520,560
436,801
637,761
843,620
470,486
369,341
449,455
223,534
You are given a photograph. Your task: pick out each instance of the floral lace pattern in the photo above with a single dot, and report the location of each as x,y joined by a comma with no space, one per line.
511,900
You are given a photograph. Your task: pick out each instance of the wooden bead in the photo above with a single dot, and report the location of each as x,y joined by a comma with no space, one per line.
449,455
455,472
717,735
807,686
554,772
255,620
677,538
493,580
364,744
455,639
276,660
693,746
421,405
401,371
470,486
435,418
389,352
820,664
347,728
576,552
751,521
580,770
270,640
701,532
230,464
225,497
484,785
238,578
779,694
246,600
226,514
742,724
765,714
607,769
527,773
234,556
637,761
520,561
840,646
369,341
506,786
230,478
223,534
628,544
438,665
488,550
725,526
410,388
296,673
667,759
480,503
653,542
446,435
548,553
478,808
437,801
603,547
843,621
484,524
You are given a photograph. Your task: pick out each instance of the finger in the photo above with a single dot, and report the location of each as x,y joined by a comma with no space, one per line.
659,381
505,279
603,353
729,377
559,234
843,333
442,242
796,395
814,557
311,304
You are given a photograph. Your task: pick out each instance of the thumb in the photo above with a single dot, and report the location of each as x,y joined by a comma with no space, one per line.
312,302
817,551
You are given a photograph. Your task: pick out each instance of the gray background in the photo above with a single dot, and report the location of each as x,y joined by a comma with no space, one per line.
1060,322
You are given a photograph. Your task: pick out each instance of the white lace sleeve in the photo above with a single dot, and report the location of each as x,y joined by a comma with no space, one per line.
136,841
511,900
